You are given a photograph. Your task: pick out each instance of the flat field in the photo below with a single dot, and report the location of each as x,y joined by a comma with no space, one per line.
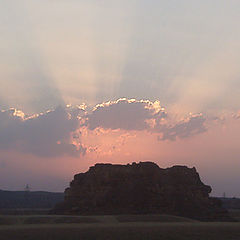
122,227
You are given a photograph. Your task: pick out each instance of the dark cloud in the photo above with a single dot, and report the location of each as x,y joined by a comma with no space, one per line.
58,132
143,115
46,134
193,126
124,114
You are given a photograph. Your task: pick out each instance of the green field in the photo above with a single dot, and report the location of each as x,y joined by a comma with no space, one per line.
120,227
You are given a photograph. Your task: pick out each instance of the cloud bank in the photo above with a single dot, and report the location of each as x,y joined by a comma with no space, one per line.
125,114
62,141
58,132
46,134
134,115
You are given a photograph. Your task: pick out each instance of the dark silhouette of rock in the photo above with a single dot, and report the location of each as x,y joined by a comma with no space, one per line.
140,189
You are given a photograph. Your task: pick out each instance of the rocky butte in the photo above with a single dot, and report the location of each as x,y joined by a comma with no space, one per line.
141,188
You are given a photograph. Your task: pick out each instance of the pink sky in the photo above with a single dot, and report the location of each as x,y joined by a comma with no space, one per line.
174,65
46,150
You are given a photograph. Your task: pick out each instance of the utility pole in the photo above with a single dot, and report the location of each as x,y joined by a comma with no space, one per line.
27,188
26,192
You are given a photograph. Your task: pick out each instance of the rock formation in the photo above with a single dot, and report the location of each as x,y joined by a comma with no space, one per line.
140,189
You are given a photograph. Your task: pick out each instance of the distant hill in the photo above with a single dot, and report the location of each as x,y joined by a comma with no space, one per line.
22,199
231,203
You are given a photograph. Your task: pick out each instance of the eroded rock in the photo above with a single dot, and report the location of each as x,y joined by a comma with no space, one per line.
140,189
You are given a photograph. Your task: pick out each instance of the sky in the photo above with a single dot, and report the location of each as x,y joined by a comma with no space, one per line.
119,81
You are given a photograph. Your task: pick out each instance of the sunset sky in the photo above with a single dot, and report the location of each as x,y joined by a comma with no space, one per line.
87,81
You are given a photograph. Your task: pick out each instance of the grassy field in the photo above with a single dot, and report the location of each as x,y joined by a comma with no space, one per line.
56,219
121,227
24,211
123,231
235,213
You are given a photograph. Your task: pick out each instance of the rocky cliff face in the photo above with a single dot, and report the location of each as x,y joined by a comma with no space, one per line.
138,189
